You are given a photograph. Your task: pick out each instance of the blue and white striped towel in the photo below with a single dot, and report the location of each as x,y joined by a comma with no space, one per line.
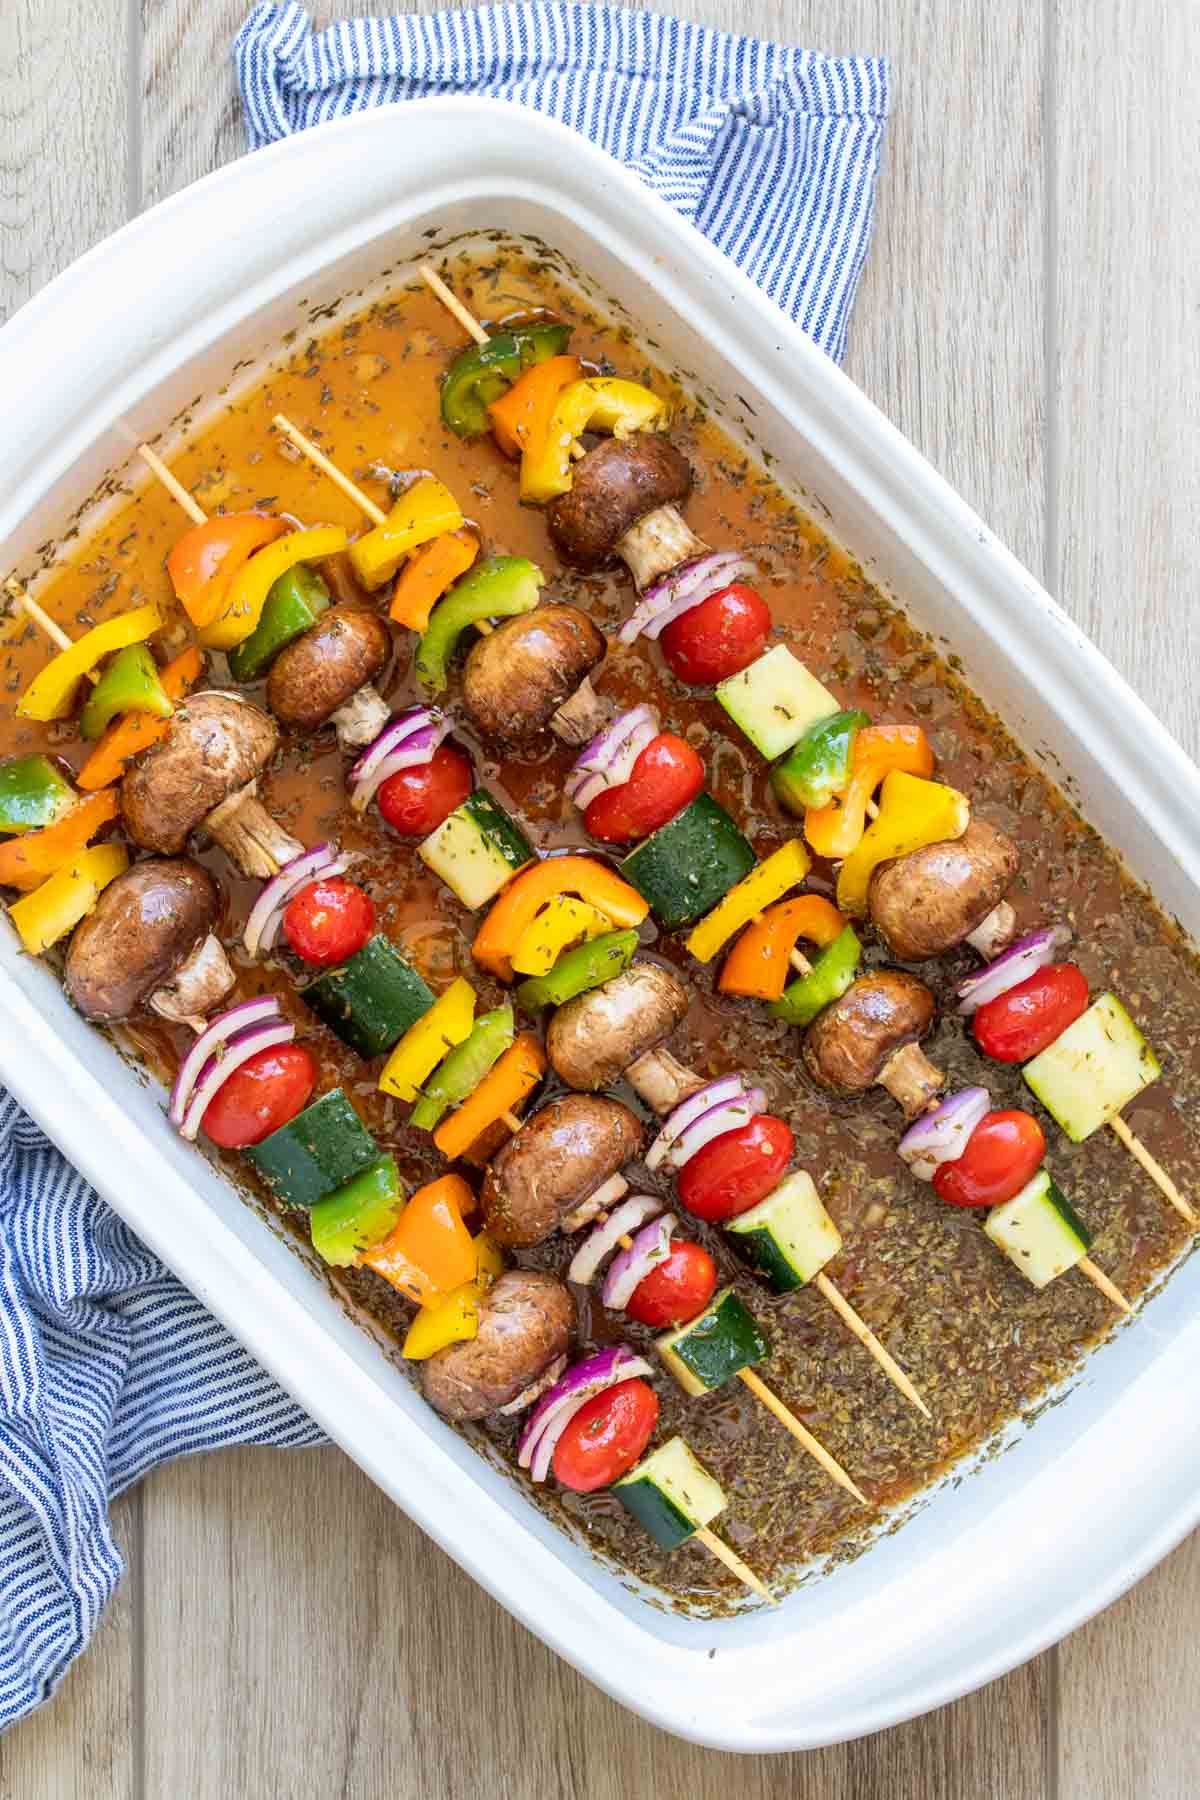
107,1365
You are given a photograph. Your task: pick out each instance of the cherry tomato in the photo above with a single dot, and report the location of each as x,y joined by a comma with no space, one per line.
416,801
679,1289
329,921
267,1091
736,1170
1004,1151
1031,1015
606,1436
717,638
666,777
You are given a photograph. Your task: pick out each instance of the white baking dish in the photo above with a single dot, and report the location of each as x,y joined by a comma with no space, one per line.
982,1577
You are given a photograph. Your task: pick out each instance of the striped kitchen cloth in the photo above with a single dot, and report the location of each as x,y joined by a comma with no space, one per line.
771,151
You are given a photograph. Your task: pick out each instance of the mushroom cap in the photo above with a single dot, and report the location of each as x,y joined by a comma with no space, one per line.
617,483
145,924
924,903
525,1322
848,1044
559,1157
214,745
321,669
520,673
593,1039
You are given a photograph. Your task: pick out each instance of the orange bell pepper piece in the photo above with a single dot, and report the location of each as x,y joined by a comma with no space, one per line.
758,965
25,862
207,557
834,830
523,898
133,732
505,1085
522,417
428,573
429,1251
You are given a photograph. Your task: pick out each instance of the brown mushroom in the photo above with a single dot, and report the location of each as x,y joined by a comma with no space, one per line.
595,1038
145,928
519,674
325,668
925,903
871,1035
556,1163
622,502
524,1329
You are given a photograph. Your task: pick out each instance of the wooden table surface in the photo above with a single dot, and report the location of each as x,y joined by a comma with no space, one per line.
1029,317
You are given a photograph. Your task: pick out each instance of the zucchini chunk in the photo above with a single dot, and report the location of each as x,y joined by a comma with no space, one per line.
1040,1231
477,850
1093,1069
775,701
319,1150
789,1236
371,1001
690,863
708,1351
670,1494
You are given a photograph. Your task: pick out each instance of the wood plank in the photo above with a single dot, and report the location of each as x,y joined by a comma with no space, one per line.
1127,507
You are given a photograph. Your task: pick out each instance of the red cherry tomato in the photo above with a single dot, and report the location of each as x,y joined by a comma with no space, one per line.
267,1091
329,921
666,777
717,638
1031,1015
606,1436
736,1170
679,1289
416,801
1004,1151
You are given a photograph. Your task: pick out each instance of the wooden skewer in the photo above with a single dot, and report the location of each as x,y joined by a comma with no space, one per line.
720,1549
38,616
1099,1279
176,489
319,460
1153,1168
802,1435
451,302
869,1341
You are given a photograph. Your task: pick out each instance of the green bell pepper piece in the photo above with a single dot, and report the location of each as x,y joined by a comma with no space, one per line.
129,684
498,588
294,602
33,793
818,767
460,1073
832,974
486,371
357,1215
587,966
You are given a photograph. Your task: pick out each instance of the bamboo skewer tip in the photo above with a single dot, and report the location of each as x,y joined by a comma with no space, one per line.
451,302
1106,1286
319,460
720,1549
1153,1168
802,1435
175,488
866,1337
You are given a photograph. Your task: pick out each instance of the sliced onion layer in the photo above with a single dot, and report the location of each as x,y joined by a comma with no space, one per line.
536,1389
555,1410
404,743
651,1246
225,1059
681,588
731,1115
1016,965
262,927
607,761
942,1135
225,1026
599,1243
714,1093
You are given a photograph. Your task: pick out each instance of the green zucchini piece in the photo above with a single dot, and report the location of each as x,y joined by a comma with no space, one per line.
357,1215
775,701
689,864
372,1000
671,1494
1097,1066
319,1150
831,974
477,850
789,1237
708,1351
1039,1230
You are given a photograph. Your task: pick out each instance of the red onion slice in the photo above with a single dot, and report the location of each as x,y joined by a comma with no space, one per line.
713,1093
651,1246
574,1390
279,890
596,1246
594,785
941,1136
607,755
731,1115
405,742
682,588
224,1026
1016,965
226,1058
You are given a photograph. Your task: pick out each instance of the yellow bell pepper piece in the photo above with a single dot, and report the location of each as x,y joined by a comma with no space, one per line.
912,813
598,403
425,510
564,921
785,868
50,693
455,1318
58,905
447,1023
247,592
489,1262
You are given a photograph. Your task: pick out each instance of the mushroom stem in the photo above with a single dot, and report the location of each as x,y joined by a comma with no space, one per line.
249,835
661,1081
361,718
995,933
536,1389
657,544
198,985
606,1195
911,1079
581,716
